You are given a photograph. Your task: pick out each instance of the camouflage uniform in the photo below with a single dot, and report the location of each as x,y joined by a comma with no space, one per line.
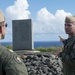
10,63
68,56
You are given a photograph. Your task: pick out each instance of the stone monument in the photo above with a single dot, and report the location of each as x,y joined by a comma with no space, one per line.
22,34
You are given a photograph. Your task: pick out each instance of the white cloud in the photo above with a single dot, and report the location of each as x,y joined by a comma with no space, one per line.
19,10
49,23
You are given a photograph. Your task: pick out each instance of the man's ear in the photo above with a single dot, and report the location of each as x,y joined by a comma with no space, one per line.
0,29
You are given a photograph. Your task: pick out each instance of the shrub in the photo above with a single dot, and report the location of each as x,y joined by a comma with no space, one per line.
9,47
52,48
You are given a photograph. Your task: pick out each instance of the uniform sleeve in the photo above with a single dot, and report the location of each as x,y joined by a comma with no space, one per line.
12,64
15,66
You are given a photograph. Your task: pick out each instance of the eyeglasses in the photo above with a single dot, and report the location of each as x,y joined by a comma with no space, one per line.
6,25
2,24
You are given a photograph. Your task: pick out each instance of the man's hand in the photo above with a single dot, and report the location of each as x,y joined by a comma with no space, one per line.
61,39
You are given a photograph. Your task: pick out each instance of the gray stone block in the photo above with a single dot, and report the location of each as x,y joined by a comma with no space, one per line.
22,34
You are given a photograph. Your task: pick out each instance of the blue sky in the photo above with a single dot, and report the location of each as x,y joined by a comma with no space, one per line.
47,16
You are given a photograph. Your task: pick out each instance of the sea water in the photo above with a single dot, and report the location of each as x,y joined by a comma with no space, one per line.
39,43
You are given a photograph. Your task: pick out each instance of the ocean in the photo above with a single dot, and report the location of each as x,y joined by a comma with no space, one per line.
39,43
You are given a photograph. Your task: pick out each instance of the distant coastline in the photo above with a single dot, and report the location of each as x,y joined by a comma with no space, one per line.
39,43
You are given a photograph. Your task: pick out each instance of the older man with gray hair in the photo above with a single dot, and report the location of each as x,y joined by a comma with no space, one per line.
10,63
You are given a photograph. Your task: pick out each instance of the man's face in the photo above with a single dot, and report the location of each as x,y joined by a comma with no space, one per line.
3,30
69,28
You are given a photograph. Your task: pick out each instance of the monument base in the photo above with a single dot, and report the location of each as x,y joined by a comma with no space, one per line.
22,52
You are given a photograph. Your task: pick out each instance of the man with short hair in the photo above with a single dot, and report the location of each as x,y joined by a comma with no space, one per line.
68,53
10,63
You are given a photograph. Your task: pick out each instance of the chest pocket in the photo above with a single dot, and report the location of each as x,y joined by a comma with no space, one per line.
68,47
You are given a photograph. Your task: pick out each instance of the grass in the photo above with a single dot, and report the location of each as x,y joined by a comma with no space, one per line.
9,47
43,49
50,49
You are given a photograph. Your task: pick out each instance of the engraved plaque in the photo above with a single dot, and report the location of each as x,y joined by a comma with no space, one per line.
22,34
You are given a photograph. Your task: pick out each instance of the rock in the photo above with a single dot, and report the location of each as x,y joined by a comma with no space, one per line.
43,64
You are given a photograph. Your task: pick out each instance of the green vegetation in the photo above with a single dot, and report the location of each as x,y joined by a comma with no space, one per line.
50,49
9,47
42,49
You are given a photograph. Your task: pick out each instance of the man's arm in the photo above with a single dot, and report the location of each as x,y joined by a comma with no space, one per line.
12,64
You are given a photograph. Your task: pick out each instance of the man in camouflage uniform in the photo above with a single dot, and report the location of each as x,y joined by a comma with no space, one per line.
68,54
10,63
